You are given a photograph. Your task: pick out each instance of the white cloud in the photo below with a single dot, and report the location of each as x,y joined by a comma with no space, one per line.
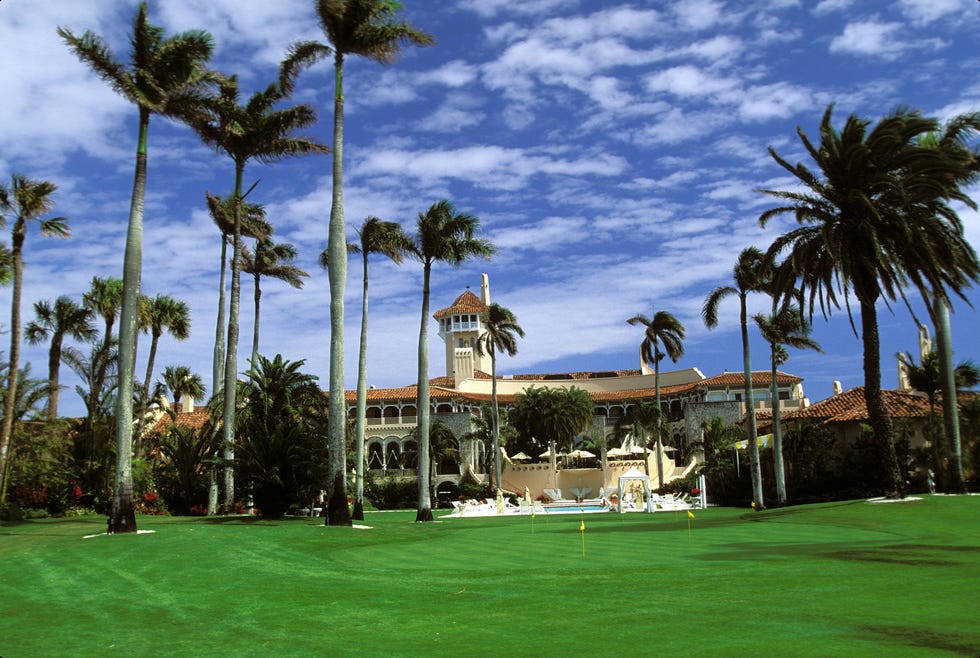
872,37
927,11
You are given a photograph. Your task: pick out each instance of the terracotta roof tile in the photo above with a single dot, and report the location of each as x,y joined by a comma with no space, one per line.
465,303
759,378
849,406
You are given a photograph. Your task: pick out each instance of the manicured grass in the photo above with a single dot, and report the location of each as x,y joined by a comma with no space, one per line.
825,580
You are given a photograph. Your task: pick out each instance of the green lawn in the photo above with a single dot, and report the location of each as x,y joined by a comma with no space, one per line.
824,580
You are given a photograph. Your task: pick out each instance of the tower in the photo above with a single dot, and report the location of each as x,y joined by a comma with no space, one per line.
460,325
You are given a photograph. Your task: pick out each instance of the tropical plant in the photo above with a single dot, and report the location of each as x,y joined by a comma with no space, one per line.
388,239
282,448
370,29
28,394
222,211
105,299
750,274
26,201
717,443
253,131
663,328
64,318
165,76
180,462
551,417
785,327
501,334
164,313
640,422
442,236
181,382
270,260
873,220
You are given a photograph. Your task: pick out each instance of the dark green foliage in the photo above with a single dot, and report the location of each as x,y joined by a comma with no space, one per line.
281,441
180,467
544,415
41,473
391,493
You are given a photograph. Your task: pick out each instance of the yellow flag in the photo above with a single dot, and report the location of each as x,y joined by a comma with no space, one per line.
690,514
582,527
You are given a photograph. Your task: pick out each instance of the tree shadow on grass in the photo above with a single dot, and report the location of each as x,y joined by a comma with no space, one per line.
912,636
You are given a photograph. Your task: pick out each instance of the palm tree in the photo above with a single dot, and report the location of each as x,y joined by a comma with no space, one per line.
641,420
664,329
105,299
27,201
29,394
786,327
501,334
371,29
164,313
388,239
165,76
181,381
951,142
64,318
751,274
442,236
254,226
253,131
873,220
270,260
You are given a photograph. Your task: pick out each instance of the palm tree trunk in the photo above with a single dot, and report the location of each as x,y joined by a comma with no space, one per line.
257,301
656,384
497,471
338,512
54,368
9,403
98,379
891,480
218,361
944,348
154,339
361,421
750,425
231,355
422,404
123,517
777,438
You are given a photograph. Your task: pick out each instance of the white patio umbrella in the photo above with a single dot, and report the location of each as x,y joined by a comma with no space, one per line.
580,454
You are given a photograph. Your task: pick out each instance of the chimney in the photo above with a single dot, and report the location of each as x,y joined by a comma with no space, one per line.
485,288
838,389
187,405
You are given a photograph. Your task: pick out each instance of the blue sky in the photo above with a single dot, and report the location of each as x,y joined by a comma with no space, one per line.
610,150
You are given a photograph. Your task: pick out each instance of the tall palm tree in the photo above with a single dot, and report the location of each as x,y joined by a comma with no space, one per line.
165,76
254,226
442,236
64,318
873,220
952,143
274,260
105,299
662,329
371,29
641,420
751,274
501,334
181,381
26,201
164,313
253,131
785,327
388,239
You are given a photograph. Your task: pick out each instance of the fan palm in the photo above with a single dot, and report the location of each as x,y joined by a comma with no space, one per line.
253,131
751,274
165,76
785,327
164,313
26,201
873,220
640,420
371,29
64,318
501,334
274,260
662,329
442,236
388,239
181,381
254,226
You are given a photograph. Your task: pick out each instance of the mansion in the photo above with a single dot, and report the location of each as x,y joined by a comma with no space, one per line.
688,397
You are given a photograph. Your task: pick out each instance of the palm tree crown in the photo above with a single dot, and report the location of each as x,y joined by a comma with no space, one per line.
64,318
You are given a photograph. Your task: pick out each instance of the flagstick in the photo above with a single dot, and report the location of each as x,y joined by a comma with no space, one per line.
582,530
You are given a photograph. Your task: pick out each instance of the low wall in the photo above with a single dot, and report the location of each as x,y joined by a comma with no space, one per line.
538,477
